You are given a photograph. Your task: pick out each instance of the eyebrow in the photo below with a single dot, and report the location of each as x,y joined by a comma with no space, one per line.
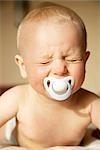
46,56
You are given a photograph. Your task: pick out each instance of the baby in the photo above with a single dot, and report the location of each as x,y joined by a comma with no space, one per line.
52,109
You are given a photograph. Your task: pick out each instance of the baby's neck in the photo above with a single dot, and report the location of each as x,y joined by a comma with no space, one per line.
48,101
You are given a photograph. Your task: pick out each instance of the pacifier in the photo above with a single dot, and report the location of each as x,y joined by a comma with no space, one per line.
59,89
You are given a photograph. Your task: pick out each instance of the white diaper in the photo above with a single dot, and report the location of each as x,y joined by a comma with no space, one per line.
9,127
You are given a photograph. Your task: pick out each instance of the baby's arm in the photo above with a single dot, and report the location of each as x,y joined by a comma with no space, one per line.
95,112
8,105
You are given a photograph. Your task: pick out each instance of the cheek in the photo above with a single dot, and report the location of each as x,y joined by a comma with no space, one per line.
78,72
36,76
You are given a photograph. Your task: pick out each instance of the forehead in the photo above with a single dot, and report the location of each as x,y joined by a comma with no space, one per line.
48,35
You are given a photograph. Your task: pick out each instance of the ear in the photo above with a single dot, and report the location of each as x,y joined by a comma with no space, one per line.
86,56
20,63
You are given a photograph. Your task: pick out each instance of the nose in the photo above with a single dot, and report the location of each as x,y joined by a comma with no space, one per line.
59,67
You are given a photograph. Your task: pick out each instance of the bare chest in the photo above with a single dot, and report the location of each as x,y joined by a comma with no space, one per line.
52,128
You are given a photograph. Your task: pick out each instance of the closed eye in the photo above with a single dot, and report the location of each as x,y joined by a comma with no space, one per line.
44,63
74,61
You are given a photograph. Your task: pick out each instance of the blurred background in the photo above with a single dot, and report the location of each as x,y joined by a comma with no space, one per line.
12,12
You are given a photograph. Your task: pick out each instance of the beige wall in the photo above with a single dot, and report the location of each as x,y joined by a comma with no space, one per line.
0,47
90,13
10,74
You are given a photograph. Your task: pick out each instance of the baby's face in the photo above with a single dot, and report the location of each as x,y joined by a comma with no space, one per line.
53,50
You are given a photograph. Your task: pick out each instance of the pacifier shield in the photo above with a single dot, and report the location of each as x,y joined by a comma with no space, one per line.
59,89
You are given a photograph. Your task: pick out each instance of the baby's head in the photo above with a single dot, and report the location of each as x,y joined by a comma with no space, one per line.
54,14
52,41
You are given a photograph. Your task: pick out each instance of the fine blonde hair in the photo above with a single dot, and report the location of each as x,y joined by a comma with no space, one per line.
57,14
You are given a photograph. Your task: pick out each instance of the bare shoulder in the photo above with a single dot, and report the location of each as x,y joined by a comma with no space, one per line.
13,97
14,92
93,102
86,98
10,101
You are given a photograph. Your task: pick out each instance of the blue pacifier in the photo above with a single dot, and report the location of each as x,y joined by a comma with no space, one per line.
59,89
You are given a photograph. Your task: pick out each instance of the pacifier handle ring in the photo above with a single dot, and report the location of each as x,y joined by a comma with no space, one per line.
62,96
